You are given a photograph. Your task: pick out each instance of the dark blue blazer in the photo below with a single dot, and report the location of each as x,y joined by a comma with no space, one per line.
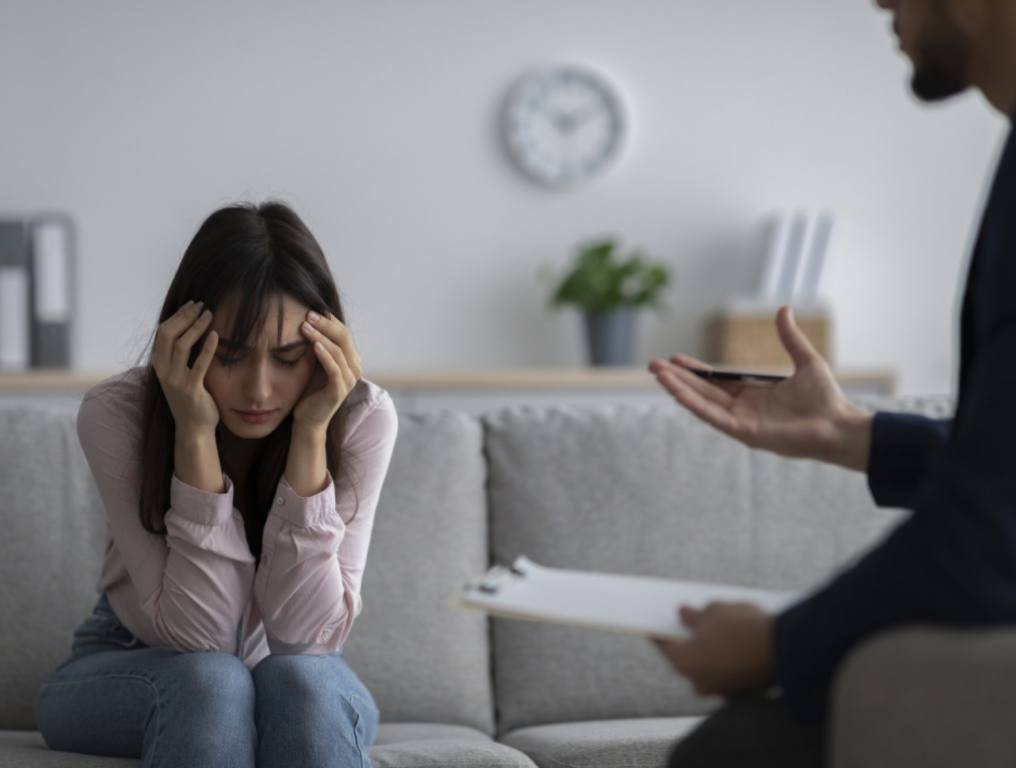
953,560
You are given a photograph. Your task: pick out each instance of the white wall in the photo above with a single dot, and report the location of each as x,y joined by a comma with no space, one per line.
377,121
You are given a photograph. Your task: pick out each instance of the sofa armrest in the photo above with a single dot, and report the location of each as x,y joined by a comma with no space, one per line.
924,697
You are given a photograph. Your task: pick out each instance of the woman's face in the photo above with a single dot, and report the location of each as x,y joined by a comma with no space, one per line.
271,376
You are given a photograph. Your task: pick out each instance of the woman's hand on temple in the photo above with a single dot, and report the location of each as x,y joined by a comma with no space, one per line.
191,404
338,373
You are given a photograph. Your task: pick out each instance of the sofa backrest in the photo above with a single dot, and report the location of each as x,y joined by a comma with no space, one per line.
421,660
625,489
651,490
52,539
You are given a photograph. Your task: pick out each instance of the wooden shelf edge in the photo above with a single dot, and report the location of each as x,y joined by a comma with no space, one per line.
56,380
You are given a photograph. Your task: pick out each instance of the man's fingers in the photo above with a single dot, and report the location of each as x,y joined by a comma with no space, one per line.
690,362
689,616
676,652
793,339
705,409
703,387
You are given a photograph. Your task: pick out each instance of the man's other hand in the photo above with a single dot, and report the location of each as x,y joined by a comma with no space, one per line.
728,651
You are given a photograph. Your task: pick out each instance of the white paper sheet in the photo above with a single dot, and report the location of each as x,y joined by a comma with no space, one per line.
632,604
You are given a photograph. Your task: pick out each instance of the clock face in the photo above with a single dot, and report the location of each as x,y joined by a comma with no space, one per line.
563,126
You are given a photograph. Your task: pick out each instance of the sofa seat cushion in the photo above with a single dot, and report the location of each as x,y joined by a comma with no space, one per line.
636,743
397,745
26,749
441,746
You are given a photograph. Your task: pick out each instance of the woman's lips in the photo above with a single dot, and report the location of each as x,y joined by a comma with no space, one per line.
255,417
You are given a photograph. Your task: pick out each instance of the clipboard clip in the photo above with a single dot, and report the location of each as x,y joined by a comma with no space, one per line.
490,583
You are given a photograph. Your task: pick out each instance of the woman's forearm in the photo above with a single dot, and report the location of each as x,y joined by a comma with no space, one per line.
306,465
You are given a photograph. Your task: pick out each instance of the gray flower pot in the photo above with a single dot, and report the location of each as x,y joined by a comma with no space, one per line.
611,336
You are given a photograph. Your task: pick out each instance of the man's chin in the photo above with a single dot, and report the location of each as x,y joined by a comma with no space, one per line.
931,85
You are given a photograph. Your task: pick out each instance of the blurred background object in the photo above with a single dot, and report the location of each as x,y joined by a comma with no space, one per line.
610,289
383,124
37,277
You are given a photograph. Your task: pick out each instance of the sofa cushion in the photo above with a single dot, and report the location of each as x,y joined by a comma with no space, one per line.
26,749
648,490
645,742
422,660
398,745
409,745
51,549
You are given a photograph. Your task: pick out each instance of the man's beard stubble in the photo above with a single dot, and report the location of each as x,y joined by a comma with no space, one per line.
940,69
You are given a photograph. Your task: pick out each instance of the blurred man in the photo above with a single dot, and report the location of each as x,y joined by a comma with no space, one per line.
953,561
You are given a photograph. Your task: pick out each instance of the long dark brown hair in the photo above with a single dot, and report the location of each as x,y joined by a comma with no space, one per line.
257,253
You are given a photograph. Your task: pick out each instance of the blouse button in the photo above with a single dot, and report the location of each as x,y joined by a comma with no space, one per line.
279,501
323,637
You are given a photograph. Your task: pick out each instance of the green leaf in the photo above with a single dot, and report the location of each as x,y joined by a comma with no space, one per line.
597,281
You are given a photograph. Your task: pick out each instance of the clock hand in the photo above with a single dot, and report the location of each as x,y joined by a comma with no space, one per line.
567,122
563,121
582,115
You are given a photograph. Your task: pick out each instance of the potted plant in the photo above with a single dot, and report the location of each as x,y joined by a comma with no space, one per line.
610,290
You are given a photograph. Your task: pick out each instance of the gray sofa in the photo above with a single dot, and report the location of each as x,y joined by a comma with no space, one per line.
628,489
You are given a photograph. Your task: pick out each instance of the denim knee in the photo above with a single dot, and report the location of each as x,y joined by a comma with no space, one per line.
167,707
317,681
215,685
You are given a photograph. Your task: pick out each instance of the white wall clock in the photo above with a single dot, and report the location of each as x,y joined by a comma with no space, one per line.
563,126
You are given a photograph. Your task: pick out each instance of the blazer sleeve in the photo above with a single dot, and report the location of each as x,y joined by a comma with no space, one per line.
952,561
314,549
903,445
192,584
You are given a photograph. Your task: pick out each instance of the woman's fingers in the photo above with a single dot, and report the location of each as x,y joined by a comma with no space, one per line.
345,339
204,359
336,332
169,330
186,340
165,337
349,376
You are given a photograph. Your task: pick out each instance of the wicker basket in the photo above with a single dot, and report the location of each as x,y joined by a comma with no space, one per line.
751,339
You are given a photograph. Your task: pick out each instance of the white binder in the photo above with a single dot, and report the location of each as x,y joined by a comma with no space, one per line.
53,278
14,282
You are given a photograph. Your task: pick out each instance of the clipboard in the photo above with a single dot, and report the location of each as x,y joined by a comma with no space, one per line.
635,605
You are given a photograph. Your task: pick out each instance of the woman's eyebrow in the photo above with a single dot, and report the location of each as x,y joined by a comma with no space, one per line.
284,348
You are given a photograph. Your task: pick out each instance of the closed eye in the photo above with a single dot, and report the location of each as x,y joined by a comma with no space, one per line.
229,362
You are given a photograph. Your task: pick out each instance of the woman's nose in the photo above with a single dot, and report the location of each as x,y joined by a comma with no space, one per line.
258,386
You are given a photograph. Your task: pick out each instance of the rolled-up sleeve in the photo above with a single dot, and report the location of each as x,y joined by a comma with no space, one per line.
314,548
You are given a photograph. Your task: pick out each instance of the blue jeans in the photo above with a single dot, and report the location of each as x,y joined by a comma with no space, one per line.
116,696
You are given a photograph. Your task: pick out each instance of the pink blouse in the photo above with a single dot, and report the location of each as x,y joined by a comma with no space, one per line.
196,589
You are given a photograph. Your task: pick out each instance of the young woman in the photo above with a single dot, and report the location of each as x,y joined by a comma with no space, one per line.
240,469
